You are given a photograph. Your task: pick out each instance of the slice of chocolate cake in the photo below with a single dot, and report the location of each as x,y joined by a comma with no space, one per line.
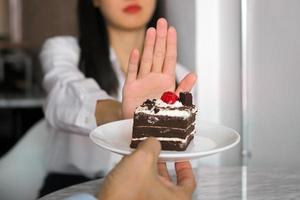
170,119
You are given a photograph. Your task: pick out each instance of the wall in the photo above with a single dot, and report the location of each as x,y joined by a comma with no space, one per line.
181,15
218,61
3,18
43,19
273,82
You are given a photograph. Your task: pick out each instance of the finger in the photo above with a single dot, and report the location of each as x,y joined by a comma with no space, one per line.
163,170
187,83
185,176
171,53
132,65
145,155
160,45
147,56
149,150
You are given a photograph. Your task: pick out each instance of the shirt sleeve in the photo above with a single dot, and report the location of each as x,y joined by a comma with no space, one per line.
81,196
71,97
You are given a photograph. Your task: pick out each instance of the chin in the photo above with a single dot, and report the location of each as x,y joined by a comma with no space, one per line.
133,25
136,27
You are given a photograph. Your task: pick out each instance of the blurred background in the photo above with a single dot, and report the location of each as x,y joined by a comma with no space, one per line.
24,26
246,55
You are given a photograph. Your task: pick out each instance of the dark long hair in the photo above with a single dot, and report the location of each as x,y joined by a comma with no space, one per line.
94,44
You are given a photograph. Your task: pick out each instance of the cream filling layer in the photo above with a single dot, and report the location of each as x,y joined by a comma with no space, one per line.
181,129
167,139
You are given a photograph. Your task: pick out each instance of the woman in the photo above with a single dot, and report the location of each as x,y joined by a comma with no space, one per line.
84,79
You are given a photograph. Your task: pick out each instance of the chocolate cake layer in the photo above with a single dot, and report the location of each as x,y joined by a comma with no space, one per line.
142,119
169,119
147,131
168,145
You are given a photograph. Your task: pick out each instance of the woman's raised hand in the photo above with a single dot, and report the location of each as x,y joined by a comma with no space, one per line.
154,73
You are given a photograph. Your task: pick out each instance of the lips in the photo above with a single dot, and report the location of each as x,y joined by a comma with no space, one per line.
132,9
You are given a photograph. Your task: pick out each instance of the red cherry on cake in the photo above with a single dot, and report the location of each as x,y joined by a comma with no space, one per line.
169,97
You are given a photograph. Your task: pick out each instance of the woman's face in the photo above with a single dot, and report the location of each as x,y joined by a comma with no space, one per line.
126,14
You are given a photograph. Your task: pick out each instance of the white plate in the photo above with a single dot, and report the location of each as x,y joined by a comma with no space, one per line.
209,139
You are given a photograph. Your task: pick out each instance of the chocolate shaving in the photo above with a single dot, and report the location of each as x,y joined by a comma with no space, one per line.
156,110
148,101
186,98
150,106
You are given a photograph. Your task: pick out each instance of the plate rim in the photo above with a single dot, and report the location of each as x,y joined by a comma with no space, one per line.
177,154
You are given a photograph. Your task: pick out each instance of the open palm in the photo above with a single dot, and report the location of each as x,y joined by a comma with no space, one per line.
155,72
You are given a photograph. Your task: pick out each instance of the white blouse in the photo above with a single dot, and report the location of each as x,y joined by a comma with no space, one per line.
70,109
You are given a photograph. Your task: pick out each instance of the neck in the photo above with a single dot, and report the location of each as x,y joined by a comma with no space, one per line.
123,41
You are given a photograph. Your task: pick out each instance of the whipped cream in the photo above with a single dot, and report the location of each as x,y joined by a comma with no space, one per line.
167,139
163,109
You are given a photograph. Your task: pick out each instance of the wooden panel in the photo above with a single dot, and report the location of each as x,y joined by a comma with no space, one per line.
43,19
3,18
